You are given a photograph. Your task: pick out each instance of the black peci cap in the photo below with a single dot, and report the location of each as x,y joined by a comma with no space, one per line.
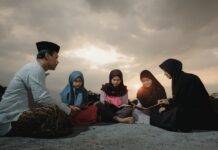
45,45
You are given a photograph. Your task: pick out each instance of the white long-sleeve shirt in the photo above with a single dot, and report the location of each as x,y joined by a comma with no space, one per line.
15,101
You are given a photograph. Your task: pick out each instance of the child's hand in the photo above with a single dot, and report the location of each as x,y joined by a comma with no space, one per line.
96,103
162,109
163,102
74,108
107,102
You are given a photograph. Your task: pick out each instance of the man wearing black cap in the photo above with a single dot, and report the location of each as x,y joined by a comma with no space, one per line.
27,108
48,54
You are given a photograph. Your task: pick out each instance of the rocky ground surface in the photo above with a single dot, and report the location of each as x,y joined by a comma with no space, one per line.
117,136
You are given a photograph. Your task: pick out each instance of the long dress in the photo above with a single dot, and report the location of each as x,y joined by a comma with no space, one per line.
189,108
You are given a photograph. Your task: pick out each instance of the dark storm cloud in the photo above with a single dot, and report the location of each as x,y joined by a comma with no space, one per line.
171,27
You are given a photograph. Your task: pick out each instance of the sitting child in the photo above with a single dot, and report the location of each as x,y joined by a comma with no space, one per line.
148,96
114,100
76,96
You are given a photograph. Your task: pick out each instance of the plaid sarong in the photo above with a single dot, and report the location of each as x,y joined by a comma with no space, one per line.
44,122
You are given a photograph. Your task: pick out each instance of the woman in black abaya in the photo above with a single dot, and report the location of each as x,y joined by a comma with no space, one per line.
189,107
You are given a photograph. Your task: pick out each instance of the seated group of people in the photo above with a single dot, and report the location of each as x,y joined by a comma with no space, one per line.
27,108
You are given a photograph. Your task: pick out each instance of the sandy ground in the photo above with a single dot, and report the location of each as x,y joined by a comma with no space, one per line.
118,136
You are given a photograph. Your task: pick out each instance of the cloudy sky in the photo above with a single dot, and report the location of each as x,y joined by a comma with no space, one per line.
99,35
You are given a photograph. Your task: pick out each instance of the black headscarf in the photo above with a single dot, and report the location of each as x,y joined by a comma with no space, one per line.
174,68
110,90
149,96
